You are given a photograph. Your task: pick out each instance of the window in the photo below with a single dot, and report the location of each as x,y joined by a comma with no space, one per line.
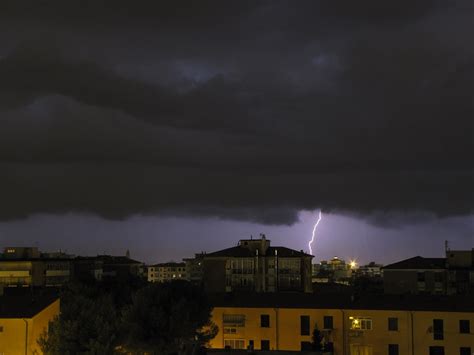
392,323
438,329
327,322
436,350
421,276
465,351
306,346
464,326
1,328
361,323
304,325
229,330
251,345
234,344
264,321
265,344
438,277
393,349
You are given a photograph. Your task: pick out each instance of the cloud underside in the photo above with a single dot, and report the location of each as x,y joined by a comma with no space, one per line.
252,112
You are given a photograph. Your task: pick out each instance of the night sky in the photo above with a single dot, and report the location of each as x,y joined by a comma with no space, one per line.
174,127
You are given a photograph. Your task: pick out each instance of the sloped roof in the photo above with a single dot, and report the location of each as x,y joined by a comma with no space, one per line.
170,264
418,262
22,303
242,252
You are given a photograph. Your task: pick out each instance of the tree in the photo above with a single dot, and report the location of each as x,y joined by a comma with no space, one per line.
317,339
172,317
87,323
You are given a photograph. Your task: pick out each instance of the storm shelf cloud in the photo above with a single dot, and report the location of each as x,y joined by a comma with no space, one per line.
250,111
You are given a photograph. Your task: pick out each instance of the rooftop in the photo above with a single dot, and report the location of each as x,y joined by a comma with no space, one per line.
242,252
344,301
418,262
23,303
170,264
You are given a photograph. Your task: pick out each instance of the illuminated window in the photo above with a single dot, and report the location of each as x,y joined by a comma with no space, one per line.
230,330
361,323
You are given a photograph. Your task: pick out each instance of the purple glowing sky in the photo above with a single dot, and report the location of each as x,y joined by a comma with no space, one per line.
153,239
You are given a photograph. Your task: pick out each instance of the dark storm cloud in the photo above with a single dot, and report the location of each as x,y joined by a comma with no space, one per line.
248,112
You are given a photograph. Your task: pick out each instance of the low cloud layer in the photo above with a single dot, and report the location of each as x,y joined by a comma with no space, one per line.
248,113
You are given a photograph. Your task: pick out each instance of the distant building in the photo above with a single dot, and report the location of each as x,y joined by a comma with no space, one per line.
194,268
21,253
335,270
27,267
24,316
107,267
416,275
254,265
167,272
451,275
460,268
371,270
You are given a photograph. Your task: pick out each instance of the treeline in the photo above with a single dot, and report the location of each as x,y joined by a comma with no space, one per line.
132,317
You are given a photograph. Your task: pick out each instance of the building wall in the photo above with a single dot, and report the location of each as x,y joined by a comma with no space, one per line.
159,273
406,281
13,335
284,332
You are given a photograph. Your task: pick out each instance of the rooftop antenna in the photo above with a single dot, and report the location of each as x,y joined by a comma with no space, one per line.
446,245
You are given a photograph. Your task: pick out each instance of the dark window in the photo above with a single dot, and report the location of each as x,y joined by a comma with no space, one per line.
392,323
465,351
421,277
464,326
251,345
438,276
265,321
436,350
393,349
304,325
306,346
265,344
327,320
438,329
1,328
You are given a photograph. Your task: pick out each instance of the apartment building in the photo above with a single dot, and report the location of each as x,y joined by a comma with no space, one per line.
167,272
392,326
255,265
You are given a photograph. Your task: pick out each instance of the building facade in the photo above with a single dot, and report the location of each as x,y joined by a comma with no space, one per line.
254,265
165,272
23,319
349,330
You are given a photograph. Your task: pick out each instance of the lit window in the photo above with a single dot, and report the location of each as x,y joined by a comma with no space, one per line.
361,323
230,330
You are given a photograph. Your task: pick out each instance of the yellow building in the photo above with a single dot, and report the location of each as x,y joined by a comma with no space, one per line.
167,272
23,318
383,326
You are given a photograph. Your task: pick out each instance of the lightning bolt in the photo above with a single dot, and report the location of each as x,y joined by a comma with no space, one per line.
314,233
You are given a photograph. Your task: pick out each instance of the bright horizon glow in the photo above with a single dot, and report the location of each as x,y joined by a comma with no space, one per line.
314,232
